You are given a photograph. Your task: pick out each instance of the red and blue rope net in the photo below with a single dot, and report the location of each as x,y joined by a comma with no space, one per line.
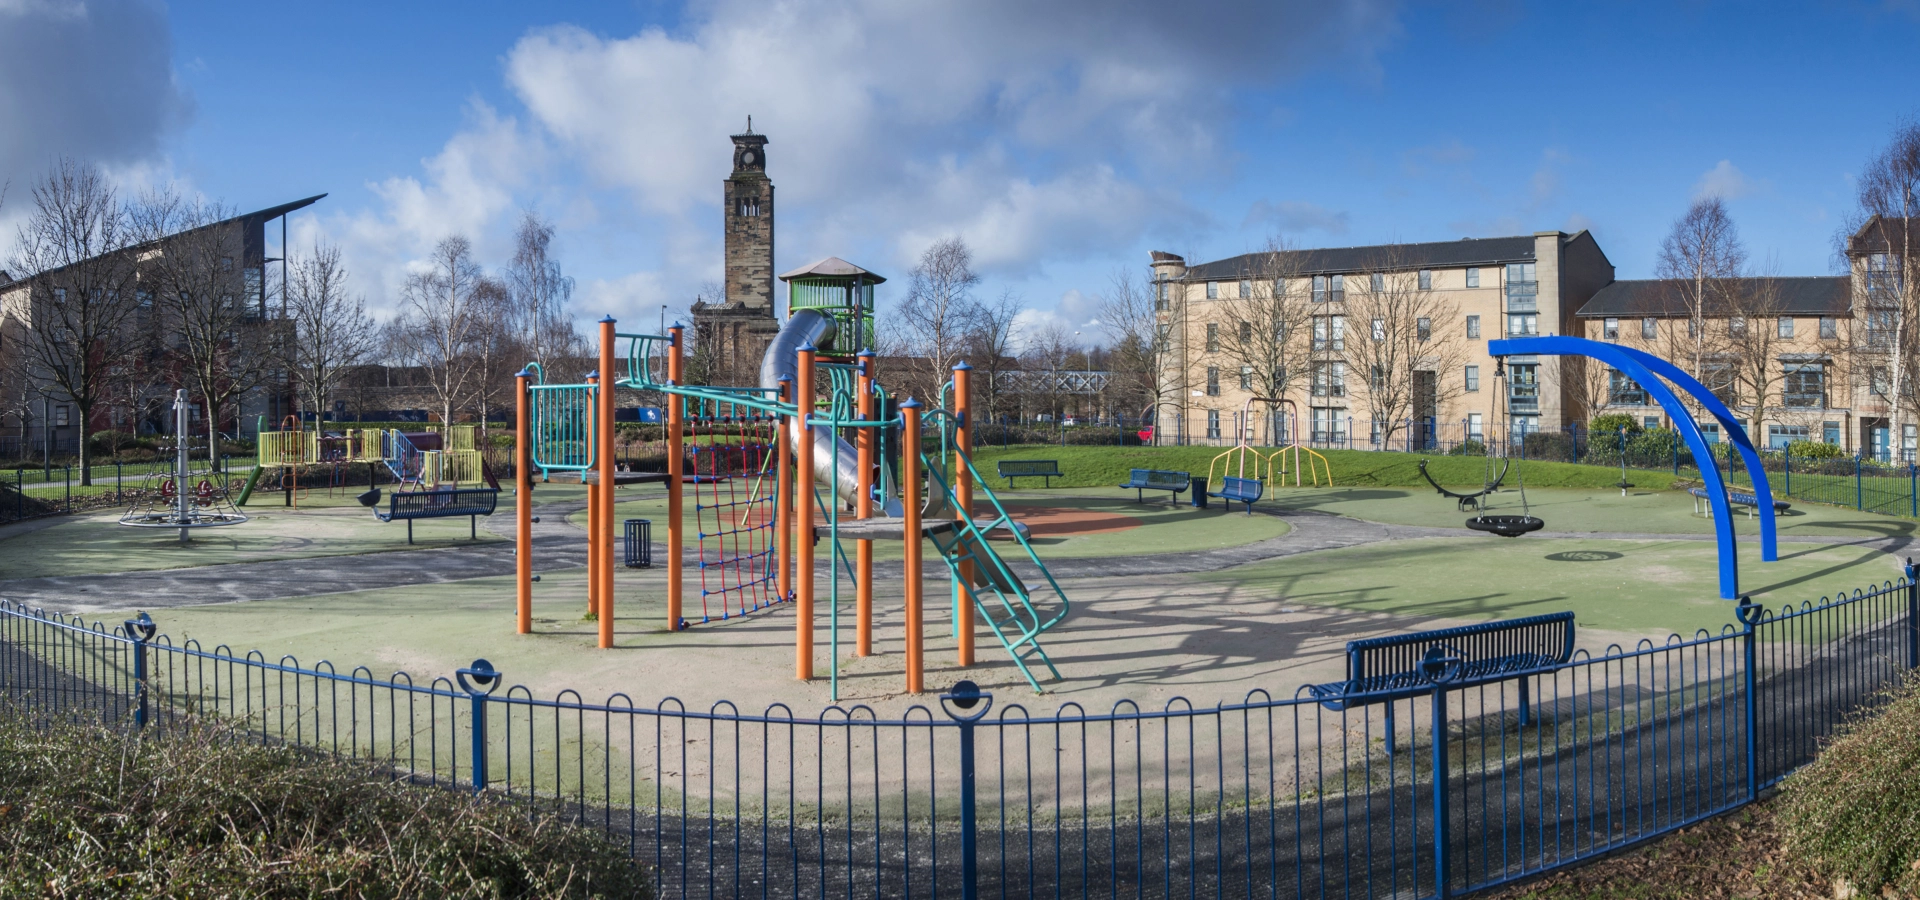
731,480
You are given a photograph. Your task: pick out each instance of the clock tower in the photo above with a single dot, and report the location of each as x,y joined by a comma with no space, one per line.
732,332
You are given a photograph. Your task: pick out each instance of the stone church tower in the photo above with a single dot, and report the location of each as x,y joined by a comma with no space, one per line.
732,334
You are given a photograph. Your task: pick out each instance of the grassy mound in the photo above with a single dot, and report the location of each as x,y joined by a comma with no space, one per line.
1108,466
199,812
1854,813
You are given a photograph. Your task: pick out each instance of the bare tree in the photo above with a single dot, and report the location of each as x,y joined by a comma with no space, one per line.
1142,345
939,310
332,332
439,321
1266,325
1403,344
1048,349
493,347
80,293
211,305
540,292
990,346
1880,234
1699,260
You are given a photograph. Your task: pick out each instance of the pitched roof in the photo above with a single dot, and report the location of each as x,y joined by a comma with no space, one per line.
1819,295
1880,234
255,217
1330,260
832,267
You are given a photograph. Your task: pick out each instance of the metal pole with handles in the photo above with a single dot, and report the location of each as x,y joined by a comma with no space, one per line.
180,460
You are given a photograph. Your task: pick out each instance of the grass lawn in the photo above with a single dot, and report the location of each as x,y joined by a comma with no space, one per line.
1636,587
98,544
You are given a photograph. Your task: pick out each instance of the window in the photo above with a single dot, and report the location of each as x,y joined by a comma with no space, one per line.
1213,337
1710,432
1779,436
1376,282
1624,391
1213,290
1379,329
1213,381
1523,387
1829,328
59,295
1246,289
1423,328
1373,432
1786,326
1329,426
1379,379
1426,279
1527,324
1329,332
1879,381
1610,329
1880,328
1522,289
1883,279
60,414
1476,430
1246,378
144,299
1736,325
1805,385
1650,422
1319,288
1721,378
1908,435
1246,332
748,206
1165,333
1213,423
1330,380
1693,328
1161,303
1473,278
1472,375
1329,288
1473,327
1830,432
1648,328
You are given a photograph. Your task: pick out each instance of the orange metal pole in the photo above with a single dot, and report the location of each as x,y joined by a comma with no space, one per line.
963,492
676,422
803,470
605,458
783,498
593,509
910,499
522,504
863,509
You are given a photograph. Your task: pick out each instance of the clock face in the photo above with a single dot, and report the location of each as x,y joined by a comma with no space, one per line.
746,159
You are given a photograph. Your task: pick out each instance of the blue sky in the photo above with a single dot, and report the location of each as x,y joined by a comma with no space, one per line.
1063,141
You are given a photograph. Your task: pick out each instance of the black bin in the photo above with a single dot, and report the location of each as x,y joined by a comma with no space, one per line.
639,544
1198,491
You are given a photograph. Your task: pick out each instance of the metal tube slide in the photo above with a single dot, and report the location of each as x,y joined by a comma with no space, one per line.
834,460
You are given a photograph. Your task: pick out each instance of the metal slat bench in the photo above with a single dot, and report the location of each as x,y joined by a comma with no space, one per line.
1245,490
1384,669
1157,480
1010,469
439,504
1736,498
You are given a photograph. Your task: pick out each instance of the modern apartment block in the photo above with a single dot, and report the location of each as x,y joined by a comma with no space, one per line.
1469,291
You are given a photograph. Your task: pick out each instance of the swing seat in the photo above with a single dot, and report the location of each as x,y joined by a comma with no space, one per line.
1506,526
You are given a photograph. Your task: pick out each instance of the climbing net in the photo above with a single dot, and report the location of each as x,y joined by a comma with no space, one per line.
731,478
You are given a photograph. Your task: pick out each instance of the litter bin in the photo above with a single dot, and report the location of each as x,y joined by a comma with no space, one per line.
639,544
1198,491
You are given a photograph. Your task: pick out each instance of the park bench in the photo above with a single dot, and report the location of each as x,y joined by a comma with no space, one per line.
1010,469
1157,480
439,504
1245,490
1384,669
1702,506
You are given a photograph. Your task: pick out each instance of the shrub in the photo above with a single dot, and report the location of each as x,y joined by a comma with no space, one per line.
1468,447
1611,423
197,811
1815,450
1854,812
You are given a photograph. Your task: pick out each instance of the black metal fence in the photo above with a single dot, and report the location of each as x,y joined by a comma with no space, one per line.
1268,797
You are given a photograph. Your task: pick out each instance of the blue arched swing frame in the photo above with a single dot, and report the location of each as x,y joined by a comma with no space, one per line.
1647,370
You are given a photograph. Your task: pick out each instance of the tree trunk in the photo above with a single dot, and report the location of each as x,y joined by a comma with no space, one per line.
86,451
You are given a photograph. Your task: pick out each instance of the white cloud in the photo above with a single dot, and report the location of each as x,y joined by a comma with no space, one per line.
1723,181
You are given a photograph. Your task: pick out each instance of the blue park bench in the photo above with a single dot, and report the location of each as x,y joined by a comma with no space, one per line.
1010,469
1245,490
1157,480
1737,498
443,503
1385,669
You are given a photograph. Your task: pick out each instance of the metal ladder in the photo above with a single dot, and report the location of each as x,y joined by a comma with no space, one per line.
1017,612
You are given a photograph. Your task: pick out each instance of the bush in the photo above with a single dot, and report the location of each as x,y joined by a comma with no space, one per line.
1468,447
1610,424
1815,450
1854,812
197,811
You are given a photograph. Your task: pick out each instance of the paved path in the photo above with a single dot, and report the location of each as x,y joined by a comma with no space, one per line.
559,544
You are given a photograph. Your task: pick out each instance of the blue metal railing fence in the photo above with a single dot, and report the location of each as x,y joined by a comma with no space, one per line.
1270,796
